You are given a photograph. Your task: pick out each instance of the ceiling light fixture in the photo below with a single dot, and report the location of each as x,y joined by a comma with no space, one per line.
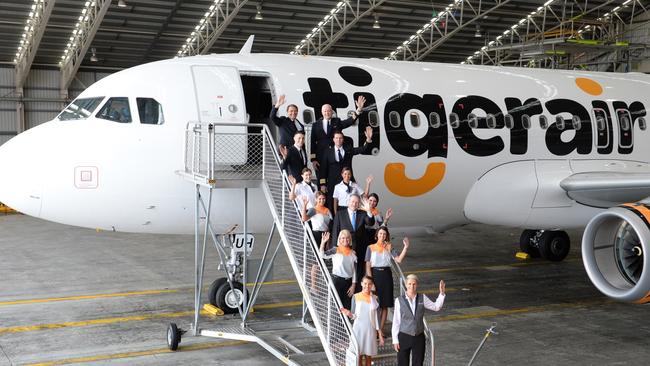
121,3
93,57
376,24
259,16
478,33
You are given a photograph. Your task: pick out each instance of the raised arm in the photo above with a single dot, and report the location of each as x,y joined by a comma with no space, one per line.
274,110
303,209
401,256
369,180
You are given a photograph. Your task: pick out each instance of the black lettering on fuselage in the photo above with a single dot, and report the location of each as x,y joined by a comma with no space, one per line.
519,132
604,131
434,143
581,141
464,134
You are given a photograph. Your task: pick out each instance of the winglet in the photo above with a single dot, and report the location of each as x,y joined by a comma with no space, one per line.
246,48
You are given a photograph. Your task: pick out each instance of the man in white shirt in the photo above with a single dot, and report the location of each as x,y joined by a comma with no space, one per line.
408,321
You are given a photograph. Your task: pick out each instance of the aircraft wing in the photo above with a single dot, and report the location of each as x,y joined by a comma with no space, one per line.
554,193
607,189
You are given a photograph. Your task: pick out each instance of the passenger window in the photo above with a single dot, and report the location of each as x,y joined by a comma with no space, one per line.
116,109
491,121
642,124
525,120
394,119
373,119
472,120
150,111
600,123
80,108
453,120
307,116
623,119
415,119
543,122
510,121
559,122
577,124
434,120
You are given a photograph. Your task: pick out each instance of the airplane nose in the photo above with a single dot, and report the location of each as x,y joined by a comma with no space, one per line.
21,161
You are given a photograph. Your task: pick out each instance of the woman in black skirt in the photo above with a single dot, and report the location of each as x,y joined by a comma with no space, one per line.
378,257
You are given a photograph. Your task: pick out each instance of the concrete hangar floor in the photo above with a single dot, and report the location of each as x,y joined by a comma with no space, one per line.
71,295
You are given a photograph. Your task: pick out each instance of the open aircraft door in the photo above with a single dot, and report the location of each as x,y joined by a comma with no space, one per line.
220,99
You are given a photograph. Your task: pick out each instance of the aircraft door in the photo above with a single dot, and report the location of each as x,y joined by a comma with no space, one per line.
220,99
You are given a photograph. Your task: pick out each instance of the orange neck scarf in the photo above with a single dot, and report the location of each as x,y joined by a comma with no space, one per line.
343,250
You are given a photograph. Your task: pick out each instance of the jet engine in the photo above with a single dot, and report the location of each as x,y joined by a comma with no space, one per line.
613,251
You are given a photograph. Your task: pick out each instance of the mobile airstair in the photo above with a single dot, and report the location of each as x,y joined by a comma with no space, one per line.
223,155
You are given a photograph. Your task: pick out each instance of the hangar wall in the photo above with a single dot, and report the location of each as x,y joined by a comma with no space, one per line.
41,97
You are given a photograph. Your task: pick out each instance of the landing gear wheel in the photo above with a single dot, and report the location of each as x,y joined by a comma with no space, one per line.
526,245
214,287
229,299
173,336
554,245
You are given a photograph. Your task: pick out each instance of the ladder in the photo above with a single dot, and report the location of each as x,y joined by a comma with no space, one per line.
236,155
230,155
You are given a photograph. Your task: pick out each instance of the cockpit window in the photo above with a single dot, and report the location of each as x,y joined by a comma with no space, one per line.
150,111
116,109
80,108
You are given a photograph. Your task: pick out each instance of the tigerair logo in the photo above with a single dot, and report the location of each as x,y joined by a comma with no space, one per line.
475,112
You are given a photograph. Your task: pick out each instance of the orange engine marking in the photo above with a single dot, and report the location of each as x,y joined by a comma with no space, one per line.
642,209
398,183
589,86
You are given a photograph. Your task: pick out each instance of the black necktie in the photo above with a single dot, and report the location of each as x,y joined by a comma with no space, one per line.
340,156
302,156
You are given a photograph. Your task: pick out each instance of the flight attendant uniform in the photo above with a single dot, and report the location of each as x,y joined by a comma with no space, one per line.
344,271
379,256
366,326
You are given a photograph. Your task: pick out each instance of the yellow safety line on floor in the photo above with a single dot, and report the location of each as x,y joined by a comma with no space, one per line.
85,297
124,319
529,309
209,345
157,351
122,294
469,268
277,282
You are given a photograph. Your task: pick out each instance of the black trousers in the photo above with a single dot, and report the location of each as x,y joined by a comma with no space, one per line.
342,285
408,344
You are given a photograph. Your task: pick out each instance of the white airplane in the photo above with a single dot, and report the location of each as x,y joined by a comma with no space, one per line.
543,150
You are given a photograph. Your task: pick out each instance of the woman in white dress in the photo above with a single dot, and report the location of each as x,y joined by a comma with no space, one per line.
366,326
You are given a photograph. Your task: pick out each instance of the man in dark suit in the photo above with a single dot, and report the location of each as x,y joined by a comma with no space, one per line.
323,131
295,157
360,241
288,125
336,158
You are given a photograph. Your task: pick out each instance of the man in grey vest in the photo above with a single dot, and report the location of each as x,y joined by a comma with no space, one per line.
408,317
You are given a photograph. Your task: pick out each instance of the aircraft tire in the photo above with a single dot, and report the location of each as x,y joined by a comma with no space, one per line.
554,245
173,337
214,287
229,300
526,246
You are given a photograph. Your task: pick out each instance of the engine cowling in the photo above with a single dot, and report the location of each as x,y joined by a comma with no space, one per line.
613,251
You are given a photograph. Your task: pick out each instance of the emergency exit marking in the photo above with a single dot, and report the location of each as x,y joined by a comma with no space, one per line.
86,177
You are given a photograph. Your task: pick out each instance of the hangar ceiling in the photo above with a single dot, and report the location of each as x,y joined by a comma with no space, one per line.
149,30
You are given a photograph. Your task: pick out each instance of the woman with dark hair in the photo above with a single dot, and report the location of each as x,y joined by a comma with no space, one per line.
378,257
380,220
345,189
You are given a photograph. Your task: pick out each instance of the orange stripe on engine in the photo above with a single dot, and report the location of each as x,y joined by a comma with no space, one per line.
642,209
644,299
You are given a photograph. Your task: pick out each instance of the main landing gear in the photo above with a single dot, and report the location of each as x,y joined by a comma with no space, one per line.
552,245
